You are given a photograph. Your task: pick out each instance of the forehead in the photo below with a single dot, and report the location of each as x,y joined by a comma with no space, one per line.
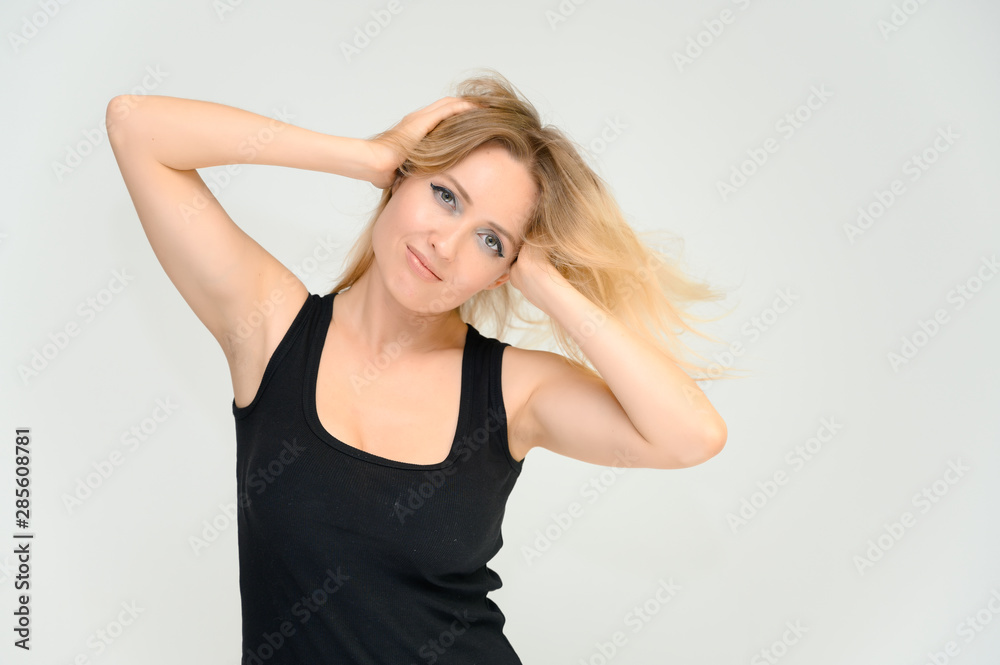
496,186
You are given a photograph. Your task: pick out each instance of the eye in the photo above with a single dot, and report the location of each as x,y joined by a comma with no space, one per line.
444,194
497,247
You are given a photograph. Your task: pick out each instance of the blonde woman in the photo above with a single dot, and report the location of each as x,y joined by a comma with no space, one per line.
379,434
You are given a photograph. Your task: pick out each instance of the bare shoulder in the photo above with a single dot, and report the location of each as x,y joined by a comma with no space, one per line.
255,336
523,371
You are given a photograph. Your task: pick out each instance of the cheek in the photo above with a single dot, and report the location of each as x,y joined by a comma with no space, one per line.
479,276
402,216
378,231
389,224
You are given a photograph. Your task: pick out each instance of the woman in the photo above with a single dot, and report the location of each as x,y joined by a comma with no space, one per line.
367,515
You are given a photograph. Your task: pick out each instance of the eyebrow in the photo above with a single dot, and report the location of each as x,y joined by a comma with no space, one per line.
465,195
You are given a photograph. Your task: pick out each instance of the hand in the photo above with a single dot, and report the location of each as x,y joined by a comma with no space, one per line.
390,148
532,272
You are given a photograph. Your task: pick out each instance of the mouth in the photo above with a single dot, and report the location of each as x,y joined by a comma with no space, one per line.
421,264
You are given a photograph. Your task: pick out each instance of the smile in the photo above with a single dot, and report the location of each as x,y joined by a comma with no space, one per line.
418,267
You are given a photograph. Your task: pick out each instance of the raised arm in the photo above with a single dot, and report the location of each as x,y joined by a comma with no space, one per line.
642,410
220,271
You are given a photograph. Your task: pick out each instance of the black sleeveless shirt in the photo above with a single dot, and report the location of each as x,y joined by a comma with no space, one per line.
349,558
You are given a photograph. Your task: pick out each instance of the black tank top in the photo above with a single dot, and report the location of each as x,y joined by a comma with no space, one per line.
349,558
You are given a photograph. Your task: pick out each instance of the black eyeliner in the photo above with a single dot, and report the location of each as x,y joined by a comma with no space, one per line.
439,188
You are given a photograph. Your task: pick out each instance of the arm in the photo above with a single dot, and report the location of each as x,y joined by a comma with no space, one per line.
643,411
187,134
220,271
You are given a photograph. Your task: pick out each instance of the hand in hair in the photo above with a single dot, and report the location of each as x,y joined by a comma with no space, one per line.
391,147
532,273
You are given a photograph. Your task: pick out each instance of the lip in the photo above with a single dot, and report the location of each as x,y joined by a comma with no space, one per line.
419,265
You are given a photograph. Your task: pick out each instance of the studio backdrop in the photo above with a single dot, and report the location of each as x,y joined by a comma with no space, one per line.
832,167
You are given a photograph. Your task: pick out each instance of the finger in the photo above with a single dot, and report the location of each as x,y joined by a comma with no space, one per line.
448,111
447,106
437,105
427,119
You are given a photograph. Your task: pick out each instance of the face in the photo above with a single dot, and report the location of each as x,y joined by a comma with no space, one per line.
464,224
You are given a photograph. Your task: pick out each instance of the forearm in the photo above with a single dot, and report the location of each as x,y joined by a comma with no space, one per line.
663,403
187,134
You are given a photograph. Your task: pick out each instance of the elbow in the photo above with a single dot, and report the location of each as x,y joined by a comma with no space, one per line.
119,109
113,115
710,445
715,440
698,451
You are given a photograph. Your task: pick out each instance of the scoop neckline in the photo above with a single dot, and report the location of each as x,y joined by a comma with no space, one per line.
312,411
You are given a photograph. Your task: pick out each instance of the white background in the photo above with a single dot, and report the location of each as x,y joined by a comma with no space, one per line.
807,553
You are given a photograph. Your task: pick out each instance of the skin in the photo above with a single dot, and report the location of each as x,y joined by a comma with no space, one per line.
549,403
408,411
642,411
456,236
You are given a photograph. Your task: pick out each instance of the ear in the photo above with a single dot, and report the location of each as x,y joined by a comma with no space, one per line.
396,183
501,280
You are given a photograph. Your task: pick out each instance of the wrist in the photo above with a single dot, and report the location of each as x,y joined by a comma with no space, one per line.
549,290
351,157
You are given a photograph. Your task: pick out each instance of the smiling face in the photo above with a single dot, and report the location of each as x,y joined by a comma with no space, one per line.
463,224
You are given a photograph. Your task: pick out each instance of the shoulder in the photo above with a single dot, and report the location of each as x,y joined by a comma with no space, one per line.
524,371
532,365
250,348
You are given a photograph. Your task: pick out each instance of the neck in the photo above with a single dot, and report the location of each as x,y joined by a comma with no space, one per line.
380,323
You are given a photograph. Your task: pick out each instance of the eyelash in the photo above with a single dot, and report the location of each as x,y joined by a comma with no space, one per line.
498,249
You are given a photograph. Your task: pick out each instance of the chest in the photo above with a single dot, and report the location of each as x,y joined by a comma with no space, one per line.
402,409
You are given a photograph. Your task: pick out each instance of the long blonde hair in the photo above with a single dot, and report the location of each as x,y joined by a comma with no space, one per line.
576,223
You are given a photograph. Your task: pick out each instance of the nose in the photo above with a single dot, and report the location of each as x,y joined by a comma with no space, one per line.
444,240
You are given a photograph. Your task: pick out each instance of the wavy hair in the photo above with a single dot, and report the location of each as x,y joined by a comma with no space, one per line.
576,223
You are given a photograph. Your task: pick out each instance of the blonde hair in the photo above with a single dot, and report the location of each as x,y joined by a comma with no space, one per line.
575,222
